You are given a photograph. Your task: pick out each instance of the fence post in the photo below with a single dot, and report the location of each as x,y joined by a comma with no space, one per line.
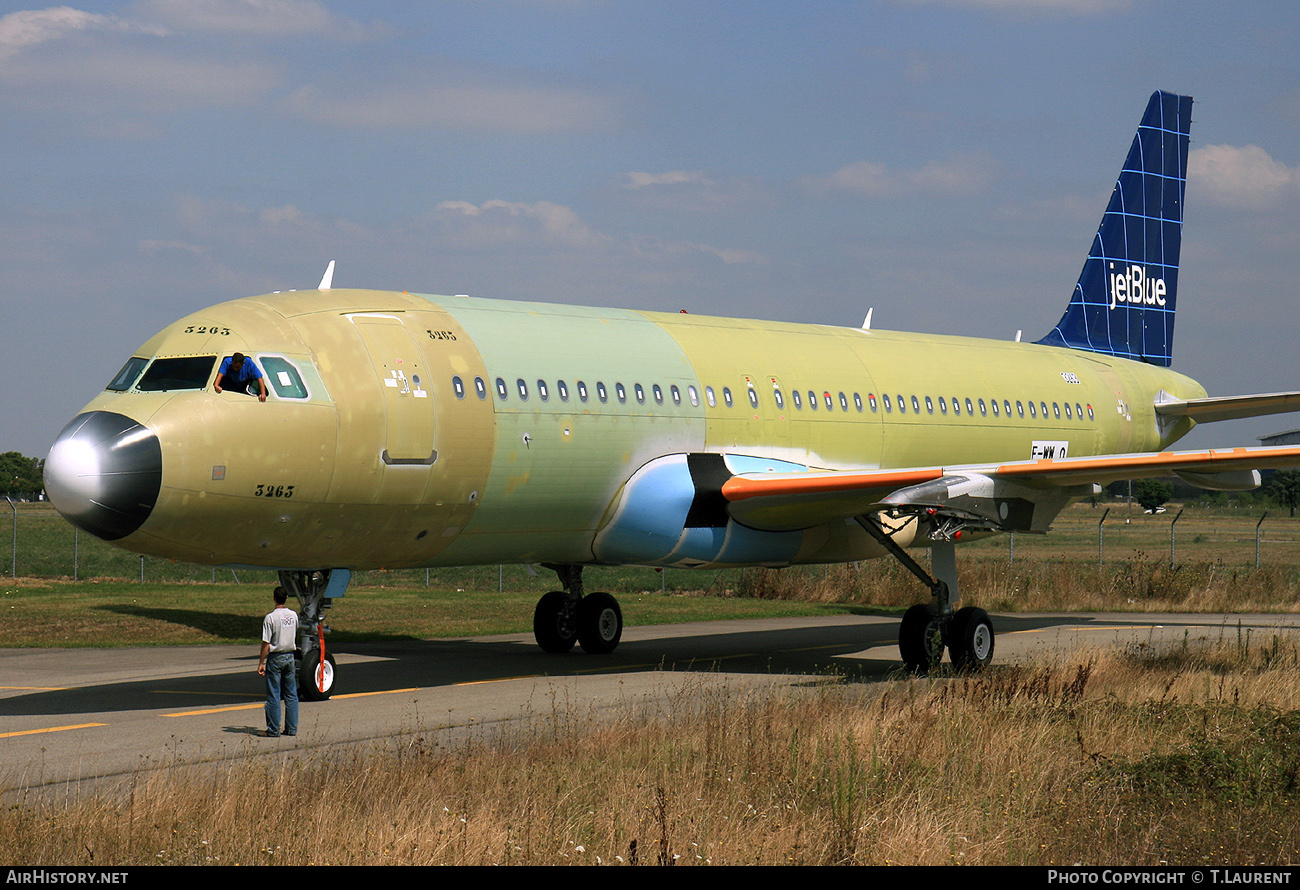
1171,538
76,552
13,569
1257,525
1011,549
1100,538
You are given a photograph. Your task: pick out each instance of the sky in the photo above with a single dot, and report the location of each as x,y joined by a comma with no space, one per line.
943,163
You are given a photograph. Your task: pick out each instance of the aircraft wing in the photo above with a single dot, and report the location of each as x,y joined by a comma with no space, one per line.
1016,496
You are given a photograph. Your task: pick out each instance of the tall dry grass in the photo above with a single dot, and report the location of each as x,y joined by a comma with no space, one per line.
1188,755
1139,584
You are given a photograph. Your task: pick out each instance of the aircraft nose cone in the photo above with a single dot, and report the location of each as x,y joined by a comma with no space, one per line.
104,473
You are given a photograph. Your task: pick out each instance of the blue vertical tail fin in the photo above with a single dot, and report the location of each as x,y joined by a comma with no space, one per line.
1124,302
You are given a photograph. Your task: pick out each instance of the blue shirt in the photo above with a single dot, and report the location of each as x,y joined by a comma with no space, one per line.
248,372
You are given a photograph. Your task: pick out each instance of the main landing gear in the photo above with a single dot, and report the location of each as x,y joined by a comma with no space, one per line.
927,630
565,617
315,592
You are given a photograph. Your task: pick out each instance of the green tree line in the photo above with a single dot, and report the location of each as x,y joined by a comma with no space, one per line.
21,475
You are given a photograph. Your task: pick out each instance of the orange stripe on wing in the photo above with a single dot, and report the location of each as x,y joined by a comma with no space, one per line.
739,488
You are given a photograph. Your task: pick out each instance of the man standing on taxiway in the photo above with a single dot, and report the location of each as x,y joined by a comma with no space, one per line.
279,636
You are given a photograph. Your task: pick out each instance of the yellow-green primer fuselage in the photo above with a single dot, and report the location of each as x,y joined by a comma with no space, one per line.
425,431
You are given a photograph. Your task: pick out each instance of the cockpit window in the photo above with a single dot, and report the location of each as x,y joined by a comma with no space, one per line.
130,371
285,378
167,374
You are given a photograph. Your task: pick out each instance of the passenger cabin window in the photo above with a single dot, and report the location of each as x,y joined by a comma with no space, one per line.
480,388
694,394
676,394
857,402
798,399
658,394
844,402
753,397
458,386
167,374
582,391
287,382
543,392
601,392
563,389
871,397
622,393
712,399
502,391
125,377
523,389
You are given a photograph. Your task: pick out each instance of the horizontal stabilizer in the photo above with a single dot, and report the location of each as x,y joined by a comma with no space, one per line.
1230,407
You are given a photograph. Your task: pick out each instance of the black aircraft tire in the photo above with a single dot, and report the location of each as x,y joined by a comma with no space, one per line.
553,623
920,642
970,639
308,688
600,624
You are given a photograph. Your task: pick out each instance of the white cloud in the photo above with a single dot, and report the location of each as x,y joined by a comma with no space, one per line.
497,221
19,30
254,17
963,174
286,214
1241,177
672,177
692,191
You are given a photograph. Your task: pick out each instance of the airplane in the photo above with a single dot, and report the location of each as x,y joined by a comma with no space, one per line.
406,430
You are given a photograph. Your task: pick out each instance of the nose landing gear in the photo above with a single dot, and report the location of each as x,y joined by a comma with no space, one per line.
316,592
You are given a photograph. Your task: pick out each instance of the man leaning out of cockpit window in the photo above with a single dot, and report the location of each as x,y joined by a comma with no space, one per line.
243,372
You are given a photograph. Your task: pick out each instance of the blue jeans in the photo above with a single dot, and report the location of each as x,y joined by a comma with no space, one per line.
281,683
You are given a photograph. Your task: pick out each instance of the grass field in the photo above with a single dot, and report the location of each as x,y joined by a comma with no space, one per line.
1186,756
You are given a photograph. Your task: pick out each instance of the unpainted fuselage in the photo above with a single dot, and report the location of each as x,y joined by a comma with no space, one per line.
426,431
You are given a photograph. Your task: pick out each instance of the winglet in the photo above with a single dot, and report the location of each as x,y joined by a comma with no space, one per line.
328,278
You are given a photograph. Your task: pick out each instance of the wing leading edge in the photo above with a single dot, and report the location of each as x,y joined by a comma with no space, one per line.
996,493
